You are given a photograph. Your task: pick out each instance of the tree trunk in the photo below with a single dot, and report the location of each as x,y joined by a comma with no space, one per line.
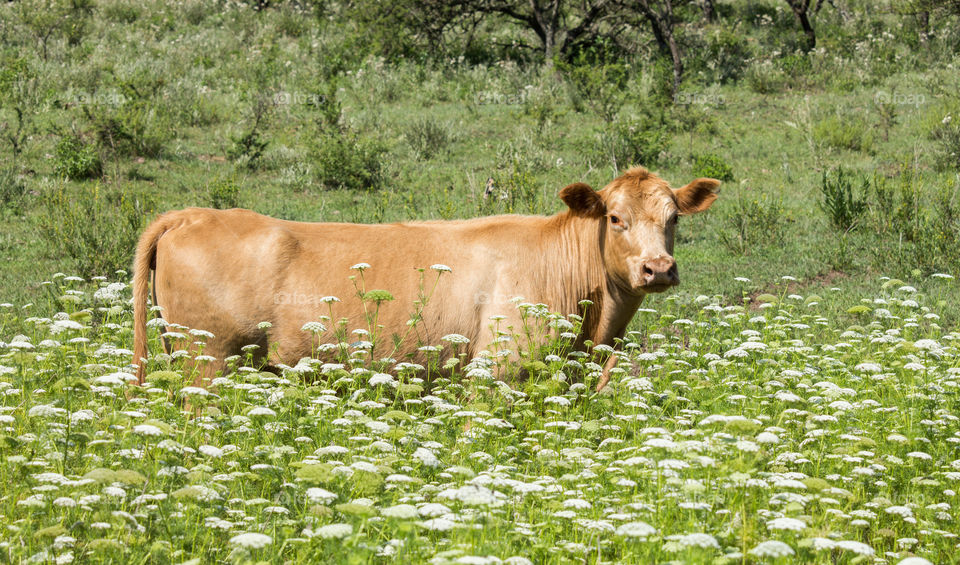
662,24
800,8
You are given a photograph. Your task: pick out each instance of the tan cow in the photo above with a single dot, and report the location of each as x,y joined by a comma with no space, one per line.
226,271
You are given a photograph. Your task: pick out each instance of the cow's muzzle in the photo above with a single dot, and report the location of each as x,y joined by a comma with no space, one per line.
659,274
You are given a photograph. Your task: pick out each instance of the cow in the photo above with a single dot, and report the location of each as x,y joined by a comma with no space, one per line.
229,271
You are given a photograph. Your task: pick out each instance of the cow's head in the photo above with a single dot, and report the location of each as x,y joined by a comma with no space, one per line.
639,212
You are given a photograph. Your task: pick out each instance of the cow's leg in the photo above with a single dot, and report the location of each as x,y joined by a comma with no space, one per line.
605,377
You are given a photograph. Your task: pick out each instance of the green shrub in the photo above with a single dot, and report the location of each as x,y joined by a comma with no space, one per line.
752,221
726,55
843,204
763,77
76,160
96,228
133,128
513,191
602,88
292,22
348,160
224,193
633,142
712,166
844,133
343,157
12,191
947,138
918,226
121,12
427,137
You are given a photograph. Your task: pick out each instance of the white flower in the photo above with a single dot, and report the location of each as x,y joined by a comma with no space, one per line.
318,495
360,266
438,524
427,457
314,327
705,541
211,451
772,548
382,379
455,339
914,561
147,430
791,524
45,411
402,511
559,400
855,546
251,540
261,411
334,531
636,530
440,268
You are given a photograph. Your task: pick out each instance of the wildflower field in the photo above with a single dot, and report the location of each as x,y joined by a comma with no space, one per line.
776,429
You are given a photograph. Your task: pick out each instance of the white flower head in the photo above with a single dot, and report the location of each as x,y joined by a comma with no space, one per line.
251,540
772,548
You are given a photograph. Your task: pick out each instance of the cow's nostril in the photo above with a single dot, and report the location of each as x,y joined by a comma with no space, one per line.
647,270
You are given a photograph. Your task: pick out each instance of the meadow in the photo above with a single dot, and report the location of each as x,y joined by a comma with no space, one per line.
793,401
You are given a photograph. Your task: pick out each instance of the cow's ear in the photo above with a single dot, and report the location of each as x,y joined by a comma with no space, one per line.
696,196
583,200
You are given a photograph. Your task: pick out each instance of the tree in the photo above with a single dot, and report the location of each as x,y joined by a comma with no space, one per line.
800,10
559,25
660,15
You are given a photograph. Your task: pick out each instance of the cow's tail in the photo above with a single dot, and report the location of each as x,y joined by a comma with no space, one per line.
143,263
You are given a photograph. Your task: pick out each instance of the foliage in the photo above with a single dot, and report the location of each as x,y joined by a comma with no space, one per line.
13,189
842,202
848,133
427,137
753,222
94,227
712,166
639,141
918,225
75,159
947,137
225,193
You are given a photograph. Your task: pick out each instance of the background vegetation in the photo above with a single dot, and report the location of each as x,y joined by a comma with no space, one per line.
113,111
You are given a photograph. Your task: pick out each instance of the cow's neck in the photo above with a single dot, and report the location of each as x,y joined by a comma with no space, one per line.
579,274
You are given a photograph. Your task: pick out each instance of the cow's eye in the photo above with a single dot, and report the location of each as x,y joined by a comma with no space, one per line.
615,219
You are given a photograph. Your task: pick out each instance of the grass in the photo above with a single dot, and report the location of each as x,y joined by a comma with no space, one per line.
757,431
